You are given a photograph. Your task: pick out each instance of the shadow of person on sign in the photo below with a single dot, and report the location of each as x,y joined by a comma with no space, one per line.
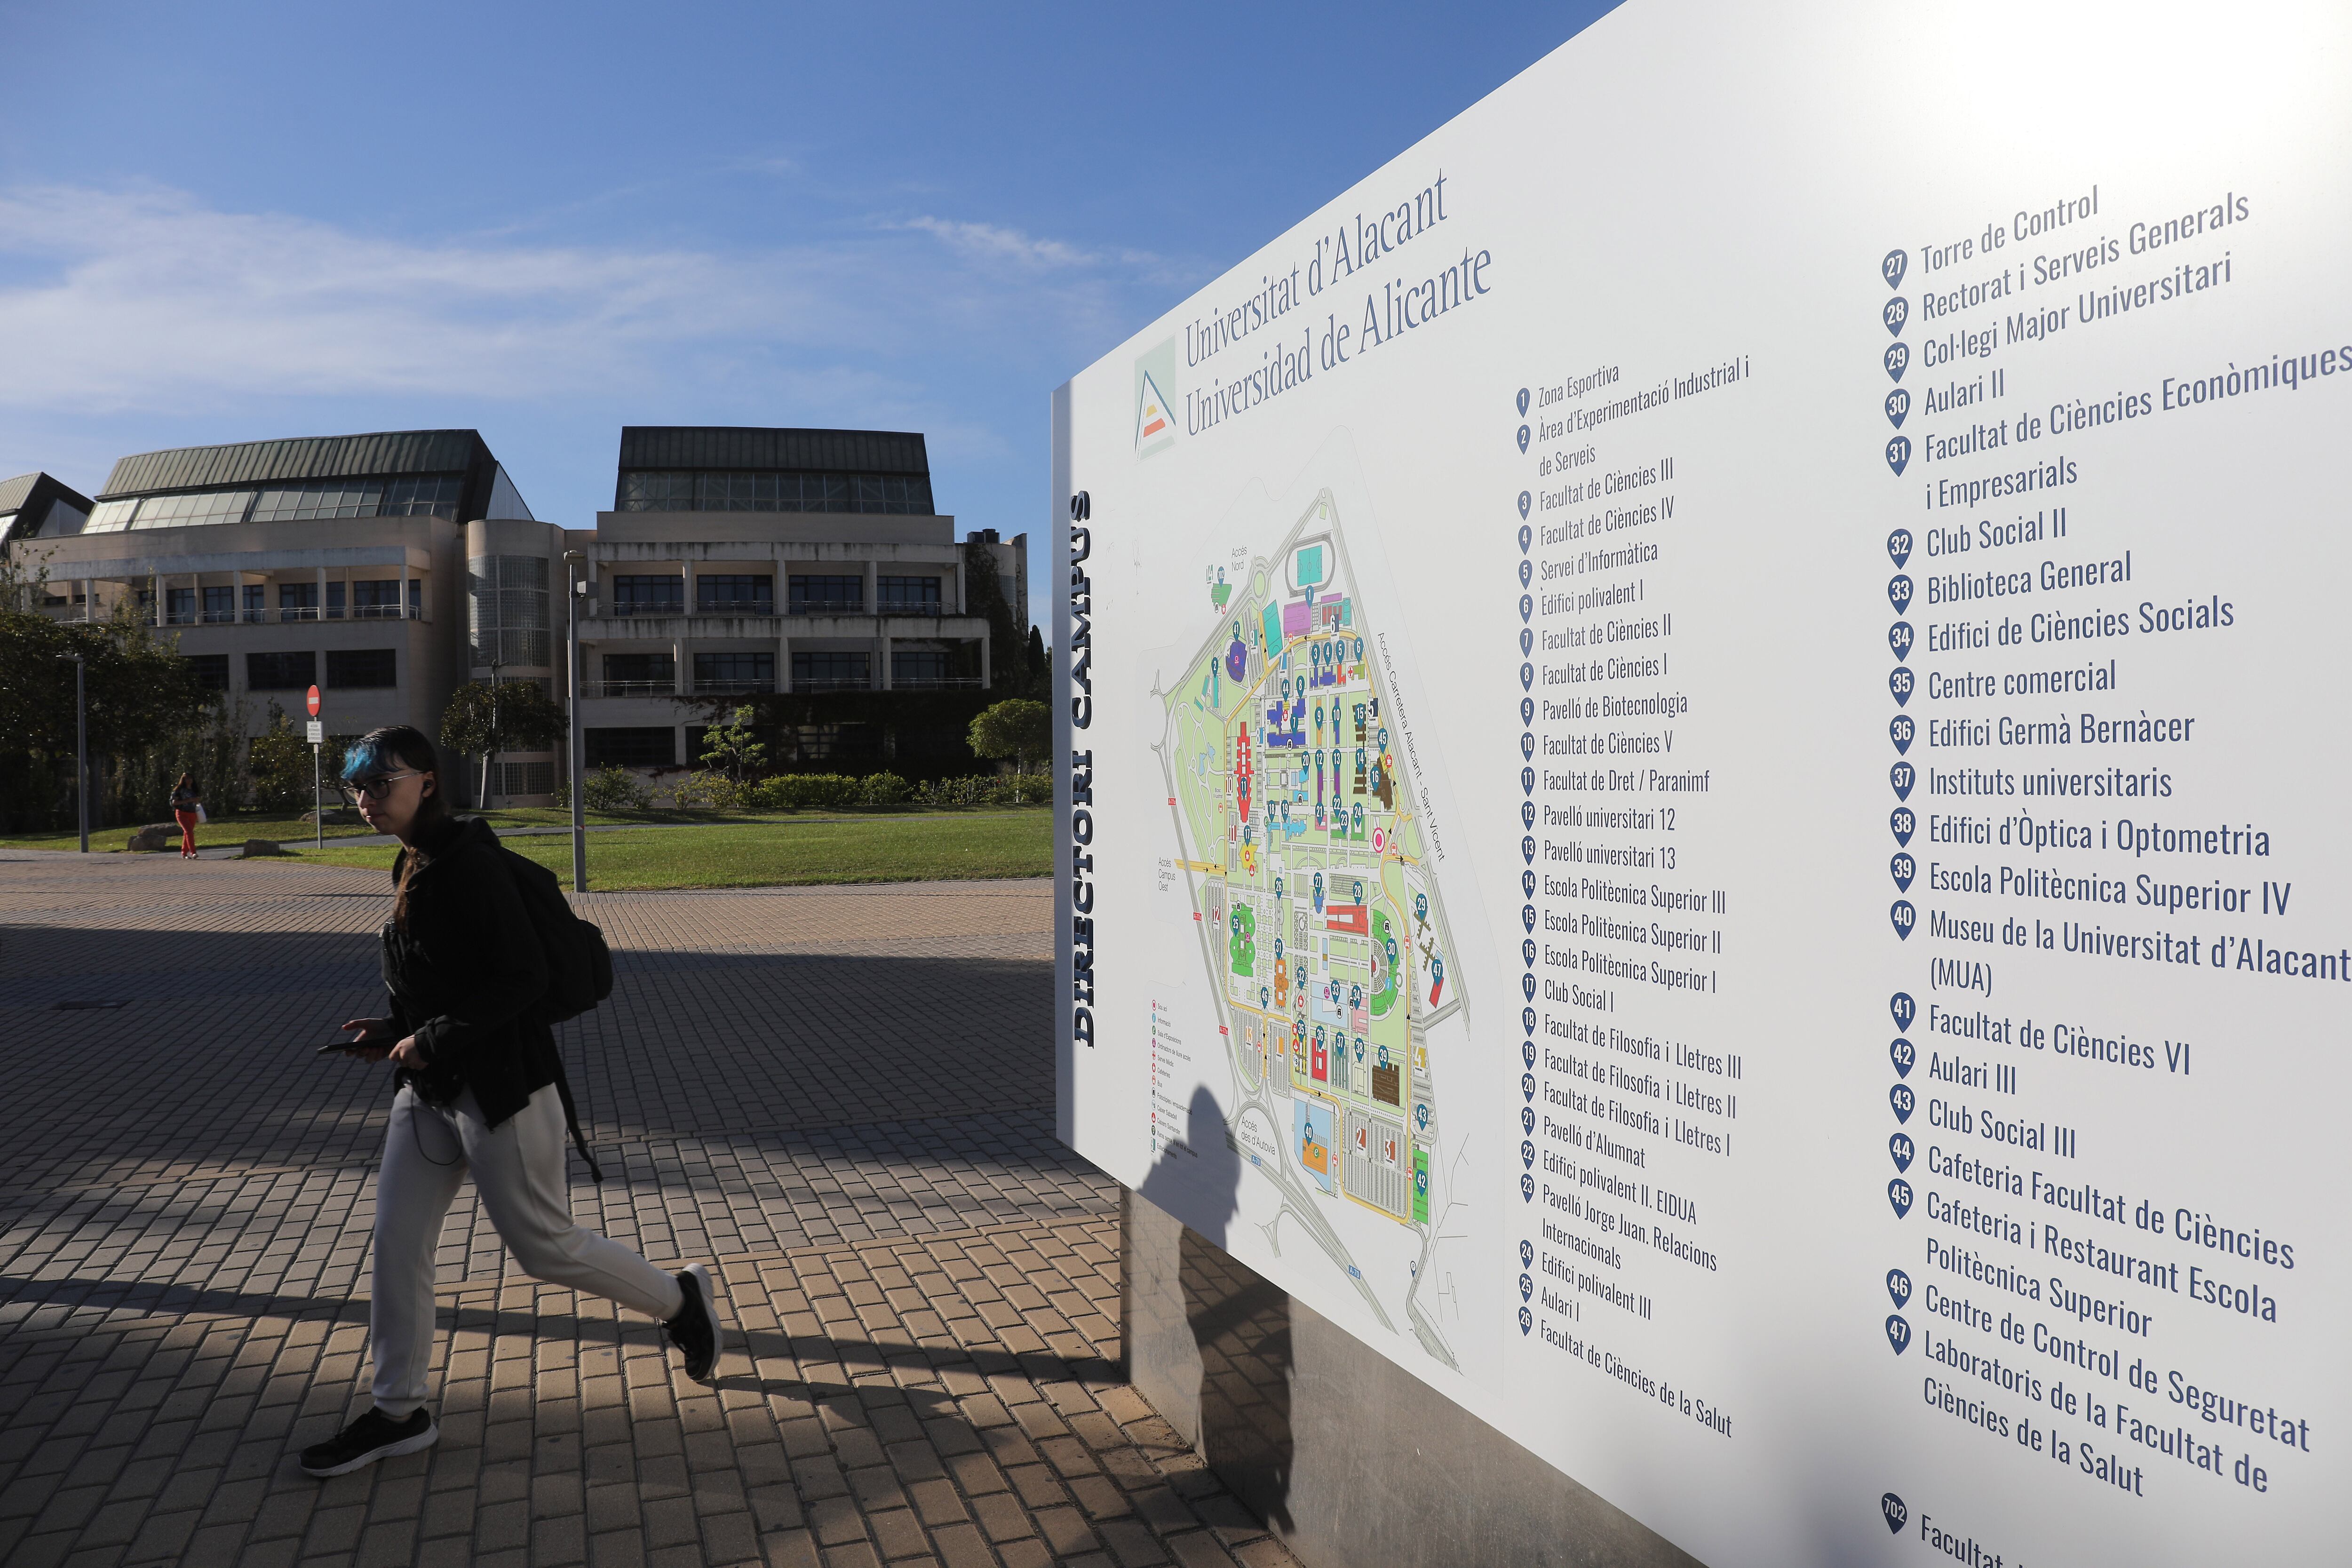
1240,1323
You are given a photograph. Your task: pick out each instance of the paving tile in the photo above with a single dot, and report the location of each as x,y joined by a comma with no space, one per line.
841,1098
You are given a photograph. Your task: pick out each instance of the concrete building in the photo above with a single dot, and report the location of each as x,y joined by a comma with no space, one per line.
390,569
792,562
333,561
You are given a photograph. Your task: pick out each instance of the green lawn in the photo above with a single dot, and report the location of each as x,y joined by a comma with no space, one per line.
787,851
292,830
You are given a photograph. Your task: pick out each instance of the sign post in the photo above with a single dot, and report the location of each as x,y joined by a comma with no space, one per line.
318,791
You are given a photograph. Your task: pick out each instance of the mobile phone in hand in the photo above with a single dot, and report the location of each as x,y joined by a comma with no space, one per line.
332,1045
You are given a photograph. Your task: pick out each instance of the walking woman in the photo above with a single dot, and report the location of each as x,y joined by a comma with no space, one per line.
477,1090
185,806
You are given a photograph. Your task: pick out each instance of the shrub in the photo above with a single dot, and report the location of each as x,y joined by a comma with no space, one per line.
708,791
798,792
613,788
884,789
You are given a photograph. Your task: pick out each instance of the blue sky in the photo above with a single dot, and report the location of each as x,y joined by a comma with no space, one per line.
228,222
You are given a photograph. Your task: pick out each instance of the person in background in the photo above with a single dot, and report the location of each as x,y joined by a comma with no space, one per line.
185,803
477,1092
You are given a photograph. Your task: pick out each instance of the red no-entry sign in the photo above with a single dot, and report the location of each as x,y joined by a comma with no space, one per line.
314,702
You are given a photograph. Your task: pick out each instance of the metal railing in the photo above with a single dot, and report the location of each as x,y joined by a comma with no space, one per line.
834,684
734,688
935,683
629,688
284,616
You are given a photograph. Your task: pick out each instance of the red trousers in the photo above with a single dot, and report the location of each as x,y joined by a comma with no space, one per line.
187,821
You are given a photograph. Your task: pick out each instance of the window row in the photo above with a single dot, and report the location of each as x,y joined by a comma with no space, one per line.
348,670
754,670
659,594
221,603
646,489
432,495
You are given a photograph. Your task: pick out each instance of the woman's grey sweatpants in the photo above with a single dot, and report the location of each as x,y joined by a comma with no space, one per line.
518,1168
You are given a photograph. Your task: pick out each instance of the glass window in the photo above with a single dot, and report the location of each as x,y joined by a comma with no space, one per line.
281,672
918,667
256,600
191,511
730,592
179,607
907,596
211,670
646,747
220,604
436,495
112,516
639,674
642,490
506,607
816,671
325,498
735,673
335,600
526,778
363,666
817,594
647,594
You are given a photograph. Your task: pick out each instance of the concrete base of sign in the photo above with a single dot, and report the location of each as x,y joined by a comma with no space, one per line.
1346,1456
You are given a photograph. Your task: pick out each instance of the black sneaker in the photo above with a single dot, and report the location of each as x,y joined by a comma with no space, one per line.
695,1331
372,1436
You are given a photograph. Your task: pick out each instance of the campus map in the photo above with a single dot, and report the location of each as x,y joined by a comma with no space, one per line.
1322,932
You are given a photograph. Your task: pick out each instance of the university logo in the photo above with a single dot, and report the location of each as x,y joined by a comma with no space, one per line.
1155,420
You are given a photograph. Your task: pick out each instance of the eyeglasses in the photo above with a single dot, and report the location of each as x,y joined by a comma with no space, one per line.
377,788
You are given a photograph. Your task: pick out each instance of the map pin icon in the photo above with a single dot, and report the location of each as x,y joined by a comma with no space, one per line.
1527,573
1528,851
1526,710
1902,1053
1902,1102
1896,1514
1527,984
1523,403
1898,1333
1900,1149
1898,1192
1528,677
1524,503
1526,1320
1899,548
1905,917
1899,730
1526,606
1527,537
1527,745
1527,1196
1903,1009
1527,1288
1527,884
1891,269
1528,1023
1527,1254
1527,641
1898,592
1523,438
1898,1288
1527,814
1527,781
1527,1085
1897,360
1898,454
1902,823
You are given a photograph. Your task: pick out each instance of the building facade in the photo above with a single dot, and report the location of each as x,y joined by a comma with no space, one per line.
389,569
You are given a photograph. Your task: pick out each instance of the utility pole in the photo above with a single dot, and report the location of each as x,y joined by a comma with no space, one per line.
573,747
81,747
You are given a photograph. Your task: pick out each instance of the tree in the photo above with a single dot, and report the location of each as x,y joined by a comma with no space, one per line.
733,748
139,694
1015,727
515,716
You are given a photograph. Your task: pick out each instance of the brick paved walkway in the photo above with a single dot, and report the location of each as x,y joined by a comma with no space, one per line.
843,1095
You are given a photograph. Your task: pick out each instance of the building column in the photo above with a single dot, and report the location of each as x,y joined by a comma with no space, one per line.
88,595
683,680
685,566
322,594
403,587
882,673
873,605
962,605
783,663
984,664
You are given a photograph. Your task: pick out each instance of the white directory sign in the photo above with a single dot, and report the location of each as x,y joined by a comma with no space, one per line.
1701,790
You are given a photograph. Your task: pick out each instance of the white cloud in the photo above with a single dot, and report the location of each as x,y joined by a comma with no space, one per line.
148,299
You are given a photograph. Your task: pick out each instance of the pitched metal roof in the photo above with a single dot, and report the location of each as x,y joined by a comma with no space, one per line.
27,501
755,447
302,457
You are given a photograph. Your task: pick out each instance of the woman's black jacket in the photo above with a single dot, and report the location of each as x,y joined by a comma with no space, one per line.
467,975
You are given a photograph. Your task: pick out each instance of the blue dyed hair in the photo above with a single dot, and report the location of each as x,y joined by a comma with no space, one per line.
390,750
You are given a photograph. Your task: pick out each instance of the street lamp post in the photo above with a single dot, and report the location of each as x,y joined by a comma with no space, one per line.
81,746
574,749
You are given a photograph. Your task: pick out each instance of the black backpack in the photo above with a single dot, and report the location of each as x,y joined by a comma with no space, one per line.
579,964
579,969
